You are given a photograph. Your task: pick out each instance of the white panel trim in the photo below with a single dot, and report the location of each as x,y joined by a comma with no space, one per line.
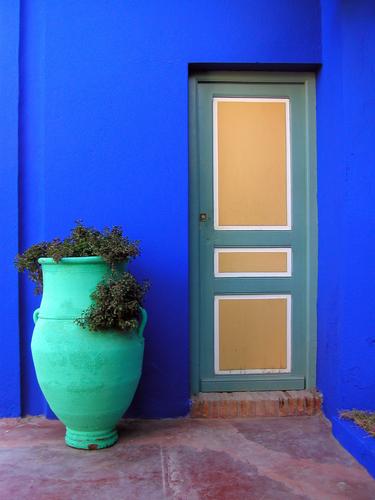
288,334
288,226
271,274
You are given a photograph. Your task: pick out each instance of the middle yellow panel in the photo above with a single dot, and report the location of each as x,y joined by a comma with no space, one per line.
253,262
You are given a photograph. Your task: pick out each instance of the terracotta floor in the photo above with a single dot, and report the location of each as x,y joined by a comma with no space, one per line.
269,458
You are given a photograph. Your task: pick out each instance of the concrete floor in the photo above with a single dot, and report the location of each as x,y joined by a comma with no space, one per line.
269,458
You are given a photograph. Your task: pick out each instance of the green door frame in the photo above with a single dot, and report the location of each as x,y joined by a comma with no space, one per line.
308,81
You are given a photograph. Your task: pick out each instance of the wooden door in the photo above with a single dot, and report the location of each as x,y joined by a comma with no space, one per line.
253,232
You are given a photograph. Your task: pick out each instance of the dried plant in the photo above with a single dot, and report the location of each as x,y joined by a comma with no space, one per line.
116,303
110,244
365,419
117,299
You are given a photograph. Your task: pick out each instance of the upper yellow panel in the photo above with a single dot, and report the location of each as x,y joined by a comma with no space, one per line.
252,163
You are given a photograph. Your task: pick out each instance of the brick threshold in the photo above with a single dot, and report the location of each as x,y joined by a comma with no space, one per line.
256,404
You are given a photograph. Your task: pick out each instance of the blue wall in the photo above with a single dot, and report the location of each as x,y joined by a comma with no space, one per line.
103,136
10,404
346,196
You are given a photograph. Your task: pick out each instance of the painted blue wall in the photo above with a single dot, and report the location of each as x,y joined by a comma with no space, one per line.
10,403
346,194
103,137
346,190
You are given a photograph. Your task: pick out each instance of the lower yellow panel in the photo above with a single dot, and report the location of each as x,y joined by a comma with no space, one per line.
253,334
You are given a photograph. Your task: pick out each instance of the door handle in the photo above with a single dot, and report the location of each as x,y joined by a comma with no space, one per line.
203,217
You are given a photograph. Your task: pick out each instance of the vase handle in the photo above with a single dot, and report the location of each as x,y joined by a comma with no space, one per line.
36,315
143,322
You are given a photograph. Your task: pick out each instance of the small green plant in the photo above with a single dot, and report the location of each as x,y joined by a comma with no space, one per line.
110,244
117,299
364,419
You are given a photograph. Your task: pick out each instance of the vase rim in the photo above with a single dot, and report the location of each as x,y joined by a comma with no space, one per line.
94,259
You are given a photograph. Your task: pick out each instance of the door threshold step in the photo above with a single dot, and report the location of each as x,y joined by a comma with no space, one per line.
256,404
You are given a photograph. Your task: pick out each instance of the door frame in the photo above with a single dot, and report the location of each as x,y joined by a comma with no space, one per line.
308,80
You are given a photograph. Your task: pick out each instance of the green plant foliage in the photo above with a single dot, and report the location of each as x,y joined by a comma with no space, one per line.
28,261
116,303
117,299
83,241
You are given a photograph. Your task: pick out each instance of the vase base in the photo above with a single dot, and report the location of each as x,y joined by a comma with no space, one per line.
86,440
